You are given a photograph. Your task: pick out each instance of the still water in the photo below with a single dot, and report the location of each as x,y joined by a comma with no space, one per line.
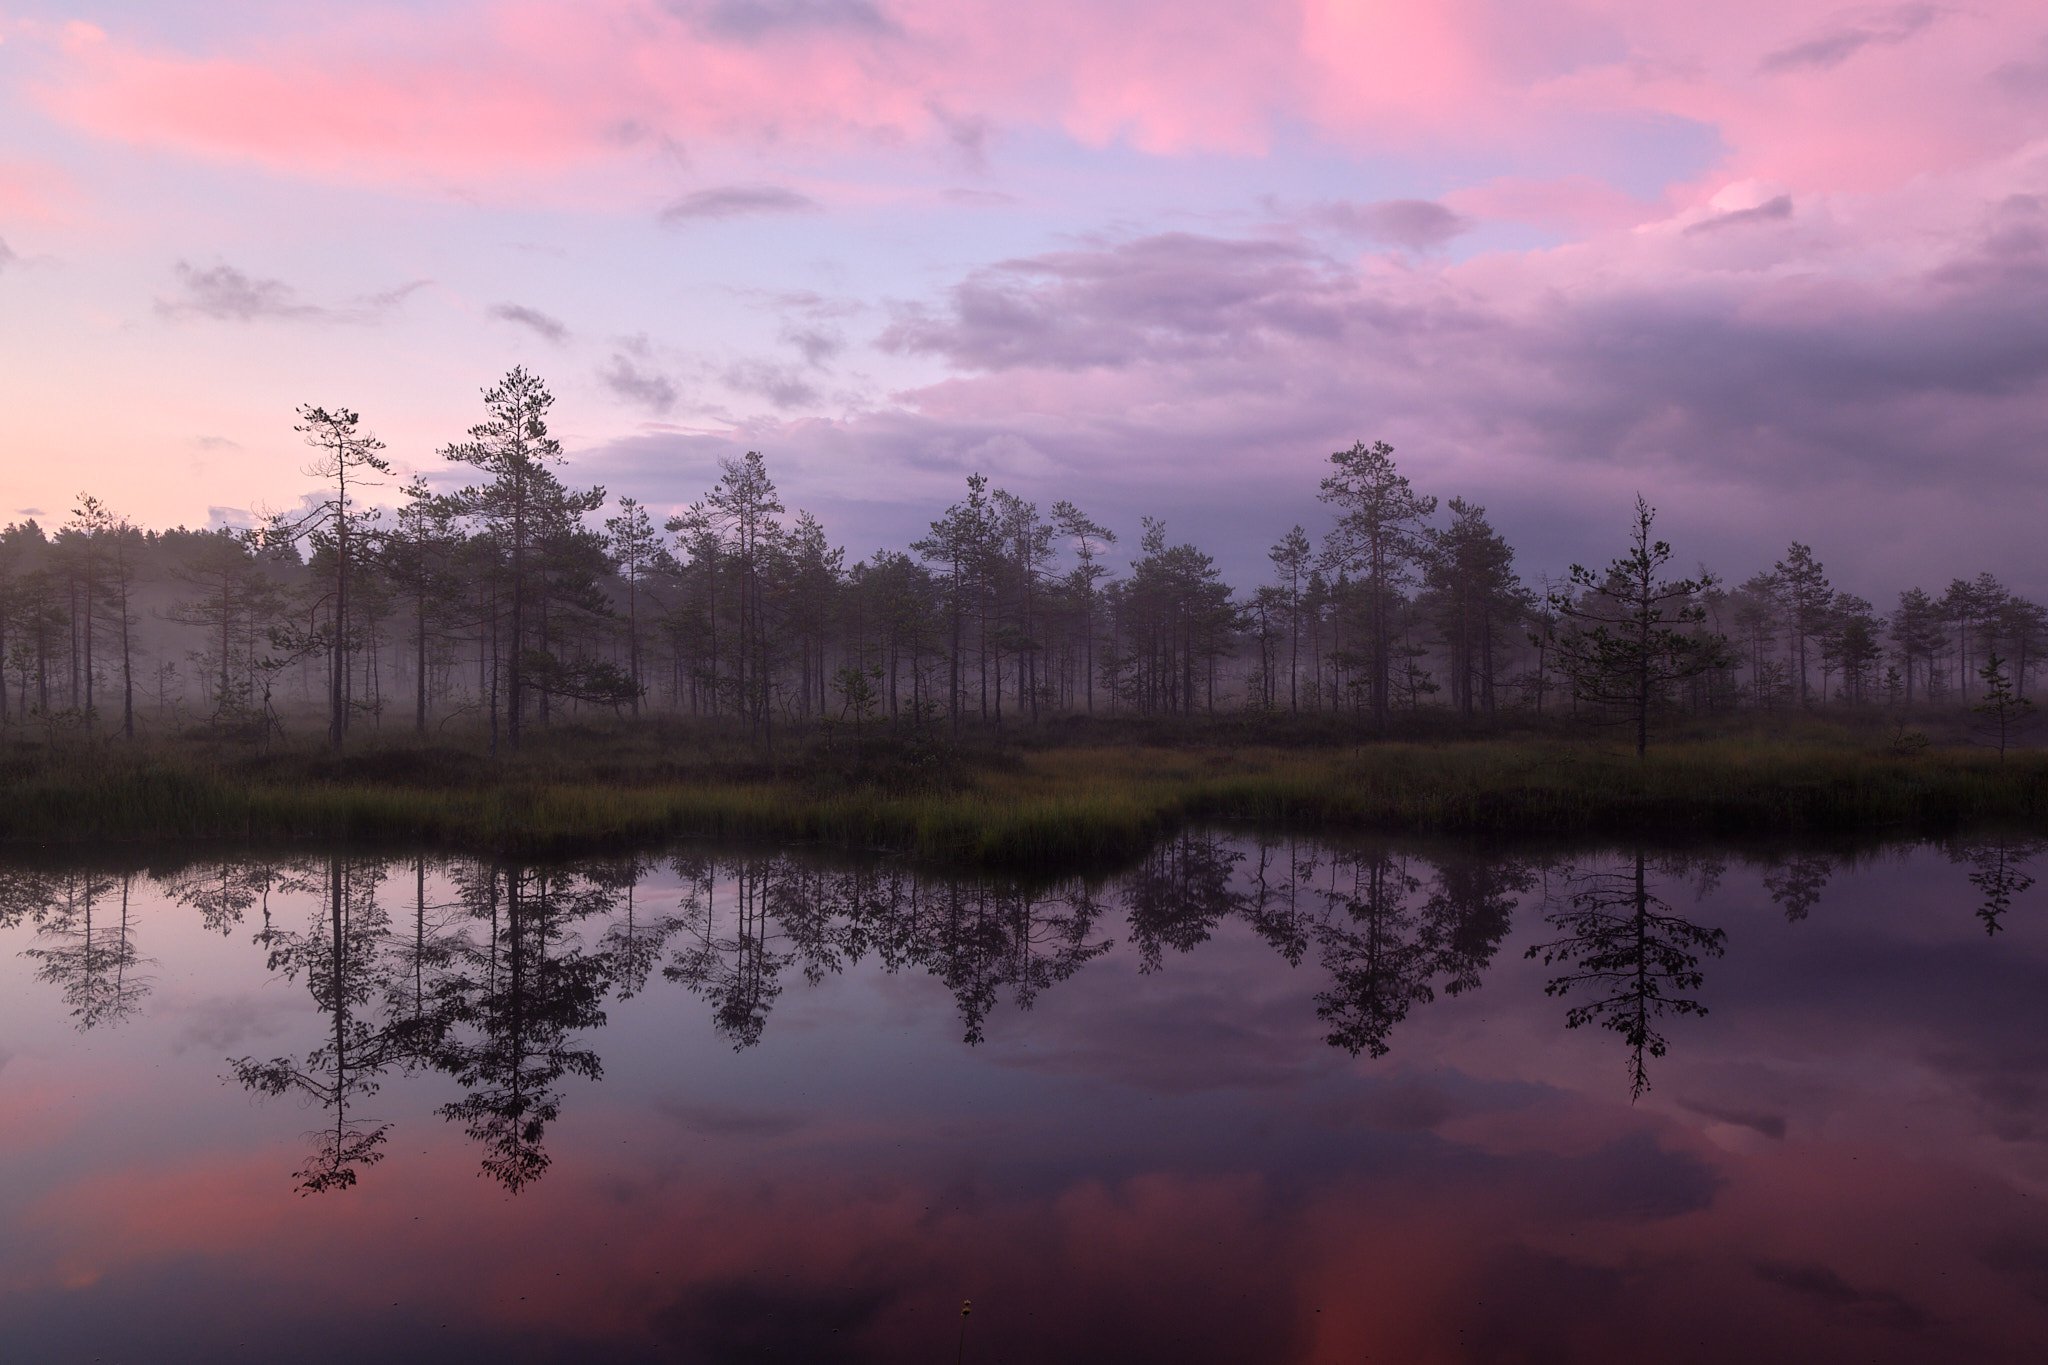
1253,1100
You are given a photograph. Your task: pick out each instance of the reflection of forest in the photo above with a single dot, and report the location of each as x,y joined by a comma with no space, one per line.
496,974
84,944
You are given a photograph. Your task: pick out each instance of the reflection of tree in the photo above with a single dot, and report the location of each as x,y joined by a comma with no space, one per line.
88,950
737,971
1379,966
1628,955
633,942
983,936
1796,883
517,1002
1470,908
1998,869
1273,907
223,893
1178,894
340,959
1386,950
979,936
26,894
415,988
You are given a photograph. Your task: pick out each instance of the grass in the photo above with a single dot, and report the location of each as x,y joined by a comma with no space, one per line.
1072,798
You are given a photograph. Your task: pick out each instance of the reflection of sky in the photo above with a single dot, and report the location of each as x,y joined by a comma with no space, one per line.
1841,1160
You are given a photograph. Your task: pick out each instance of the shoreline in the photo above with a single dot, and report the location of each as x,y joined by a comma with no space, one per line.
1012,809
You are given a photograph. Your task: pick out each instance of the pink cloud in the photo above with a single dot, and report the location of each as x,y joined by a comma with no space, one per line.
520,88
36,192
1579,204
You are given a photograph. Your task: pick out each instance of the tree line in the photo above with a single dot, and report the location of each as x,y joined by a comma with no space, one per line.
517,597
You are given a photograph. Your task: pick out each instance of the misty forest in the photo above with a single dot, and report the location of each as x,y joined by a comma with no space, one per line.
498,597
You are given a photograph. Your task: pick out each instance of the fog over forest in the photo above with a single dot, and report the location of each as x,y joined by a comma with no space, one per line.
506,594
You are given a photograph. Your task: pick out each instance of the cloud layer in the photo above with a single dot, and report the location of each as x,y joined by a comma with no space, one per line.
1780,265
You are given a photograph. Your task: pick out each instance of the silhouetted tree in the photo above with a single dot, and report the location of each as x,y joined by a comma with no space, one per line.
2004,711
1469,571
521,504
1625,644
1807,596
1378,538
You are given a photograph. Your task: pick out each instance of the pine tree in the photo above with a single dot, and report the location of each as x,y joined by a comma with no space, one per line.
2005,712
1377,539
1625,645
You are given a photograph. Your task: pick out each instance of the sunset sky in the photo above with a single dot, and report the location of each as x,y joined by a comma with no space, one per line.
1781,265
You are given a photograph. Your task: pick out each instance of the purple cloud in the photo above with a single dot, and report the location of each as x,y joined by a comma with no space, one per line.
226,294
752,20
1777,209
1417,224
737,201
1833,46
539,323
643,387
1171,296
1207,380
782,385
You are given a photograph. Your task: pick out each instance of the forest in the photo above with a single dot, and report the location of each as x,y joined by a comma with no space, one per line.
519,600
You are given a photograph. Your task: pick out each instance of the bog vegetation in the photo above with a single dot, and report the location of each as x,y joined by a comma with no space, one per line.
731,645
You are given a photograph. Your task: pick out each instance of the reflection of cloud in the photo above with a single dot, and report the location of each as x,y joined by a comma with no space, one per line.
1770,1125
1094,1214
751,1319
732,1121
2008,1083
225,1024
1823,1284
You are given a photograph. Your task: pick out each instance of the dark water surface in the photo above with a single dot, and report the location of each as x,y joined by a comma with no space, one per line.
1253,1101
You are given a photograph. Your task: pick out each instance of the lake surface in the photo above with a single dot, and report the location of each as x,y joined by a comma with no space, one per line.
1253,1100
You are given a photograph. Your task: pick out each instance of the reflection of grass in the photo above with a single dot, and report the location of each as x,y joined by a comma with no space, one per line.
1035,805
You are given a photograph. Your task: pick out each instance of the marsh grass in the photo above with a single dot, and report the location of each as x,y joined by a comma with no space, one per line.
1063,798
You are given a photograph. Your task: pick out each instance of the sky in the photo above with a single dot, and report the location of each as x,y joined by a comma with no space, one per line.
1781,266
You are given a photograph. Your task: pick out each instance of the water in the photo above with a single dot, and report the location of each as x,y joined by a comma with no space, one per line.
1254,1100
